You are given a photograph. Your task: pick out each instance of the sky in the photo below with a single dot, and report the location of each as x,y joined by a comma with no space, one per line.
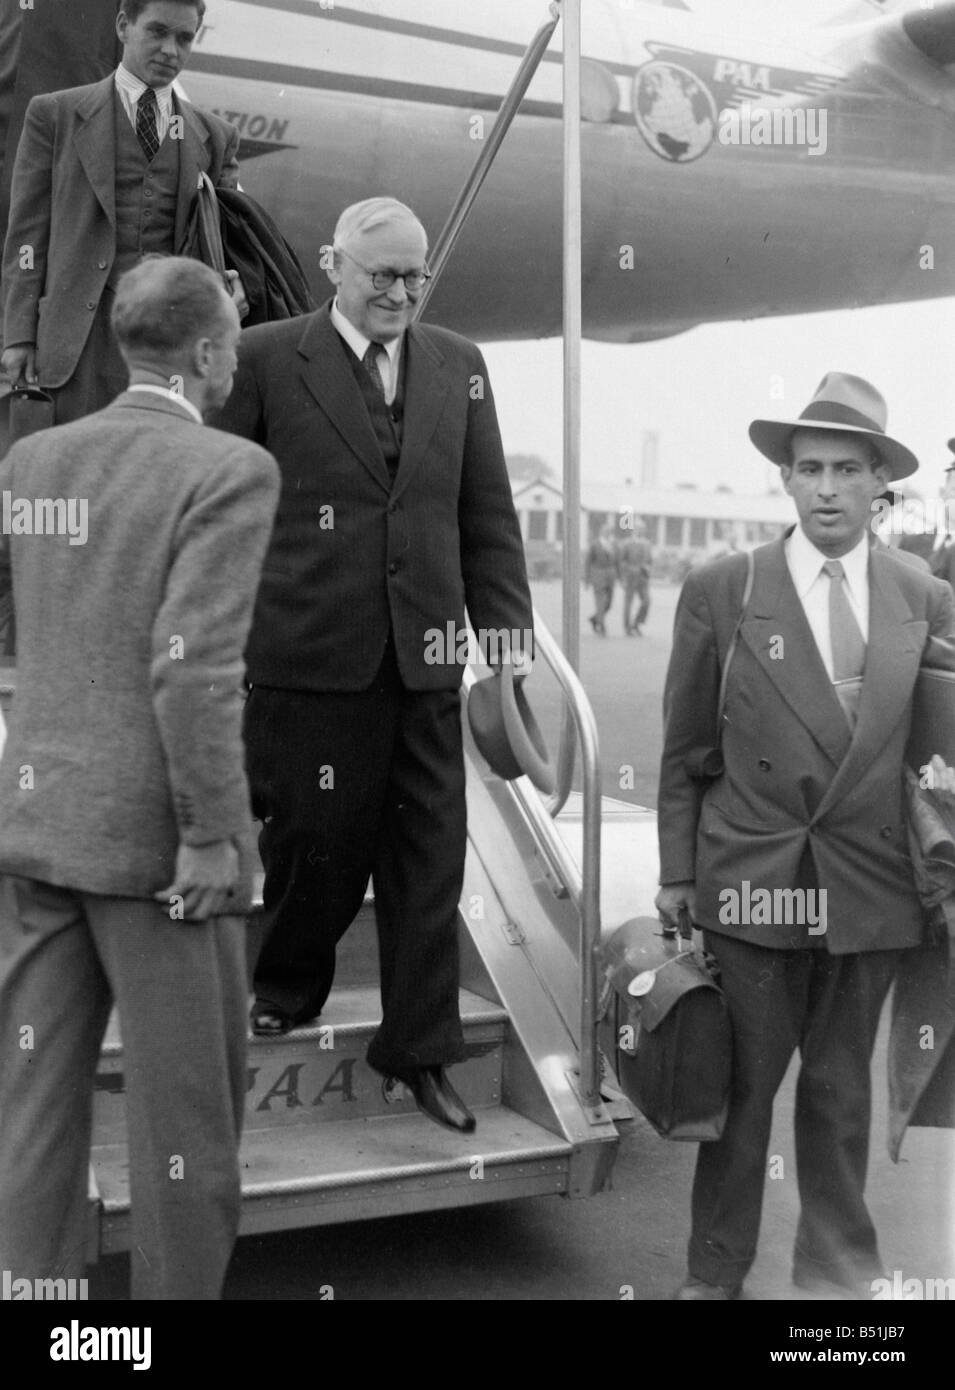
700,391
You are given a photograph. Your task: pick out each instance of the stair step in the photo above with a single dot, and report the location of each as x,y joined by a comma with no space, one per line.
319,1073
320,1174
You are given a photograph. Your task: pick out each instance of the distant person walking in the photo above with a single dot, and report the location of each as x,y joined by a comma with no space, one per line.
600,572
634,564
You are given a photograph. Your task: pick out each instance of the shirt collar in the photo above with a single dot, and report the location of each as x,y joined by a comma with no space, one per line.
357,341
806,562
133,87
169,396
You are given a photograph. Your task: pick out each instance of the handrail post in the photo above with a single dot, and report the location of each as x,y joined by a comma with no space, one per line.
573,328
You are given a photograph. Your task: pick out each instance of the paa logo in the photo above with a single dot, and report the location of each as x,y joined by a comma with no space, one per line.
674,112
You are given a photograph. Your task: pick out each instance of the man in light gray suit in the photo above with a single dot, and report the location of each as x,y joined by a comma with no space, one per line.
134,539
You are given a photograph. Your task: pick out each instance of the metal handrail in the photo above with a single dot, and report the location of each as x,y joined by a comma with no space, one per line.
583,884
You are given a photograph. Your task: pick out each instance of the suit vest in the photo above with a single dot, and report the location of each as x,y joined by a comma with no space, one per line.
387,420
146,195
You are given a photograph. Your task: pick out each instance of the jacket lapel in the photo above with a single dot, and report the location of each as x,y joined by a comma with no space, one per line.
327,373
194,158
796,669
95,143
426,390
893,653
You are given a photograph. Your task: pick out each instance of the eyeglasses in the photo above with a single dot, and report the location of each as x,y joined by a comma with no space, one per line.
414,280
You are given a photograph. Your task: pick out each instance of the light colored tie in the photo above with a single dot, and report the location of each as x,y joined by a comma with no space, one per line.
847,642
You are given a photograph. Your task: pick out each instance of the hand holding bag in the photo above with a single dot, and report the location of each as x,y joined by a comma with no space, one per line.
672,1029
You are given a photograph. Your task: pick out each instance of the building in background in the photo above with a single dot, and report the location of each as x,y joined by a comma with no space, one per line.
684,525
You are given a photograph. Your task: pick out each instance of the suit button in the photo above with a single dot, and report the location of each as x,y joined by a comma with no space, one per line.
392,568
765,765
886,832
90,304
102,265
148,193
392,508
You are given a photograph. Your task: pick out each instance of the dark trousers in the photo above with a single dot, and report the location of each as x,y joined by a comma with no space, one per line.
635,586
65,957
352,785
829,1007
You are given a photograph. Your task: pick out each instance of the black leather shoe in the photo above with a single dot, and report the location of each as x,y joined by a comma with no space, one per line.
697,1291
436,1097
269,1021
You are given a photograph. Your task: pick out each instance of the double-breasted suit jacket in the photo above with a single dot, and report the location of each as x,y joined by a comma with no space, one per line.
797,781
61,239
353,555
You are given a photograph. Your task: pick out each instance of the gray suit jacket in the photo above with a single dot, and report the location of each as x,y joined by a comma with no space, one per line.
63,207
797,780
124,737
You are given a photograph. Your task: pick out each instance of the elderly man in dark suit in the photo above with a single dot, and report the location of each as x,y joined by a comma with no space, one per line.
395,513
125,829
104,174
795,861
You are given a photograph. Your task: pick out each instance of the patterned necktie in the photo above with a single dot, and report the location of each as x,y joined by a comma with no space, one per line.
147,124
848,644
370,360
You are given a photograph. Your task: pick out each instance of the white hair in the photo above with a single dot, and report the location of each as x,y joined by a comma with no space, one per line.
370,214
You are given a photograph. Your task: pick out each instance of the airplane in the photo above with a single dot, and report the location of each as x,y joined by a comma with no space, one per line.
727,173
336,101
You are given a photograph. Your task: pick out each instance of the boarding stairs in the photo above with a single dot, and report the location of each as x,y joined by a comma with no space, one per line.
328,1140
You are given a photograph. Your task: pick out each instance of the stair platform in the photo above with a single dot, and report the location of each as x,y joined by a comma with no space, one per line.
350,1170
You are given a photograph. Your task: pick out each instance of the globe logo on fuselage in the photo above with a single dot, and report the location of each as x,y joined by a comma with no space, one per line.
674,112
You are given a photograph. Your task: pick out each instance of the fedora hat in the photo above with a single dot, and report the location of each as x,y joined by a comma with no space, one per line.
506,731
842,403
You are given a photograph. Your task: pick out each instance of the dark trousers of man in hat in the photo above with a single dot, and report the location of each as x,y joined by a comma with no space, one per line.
808,821
395,513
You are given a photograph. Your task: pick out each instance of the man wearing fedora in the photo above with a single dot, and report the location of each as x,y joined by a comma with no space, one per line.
816,716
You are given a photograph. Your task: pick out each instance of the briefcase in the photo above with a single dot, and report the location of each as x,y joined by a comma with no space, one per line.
672,1030
31,409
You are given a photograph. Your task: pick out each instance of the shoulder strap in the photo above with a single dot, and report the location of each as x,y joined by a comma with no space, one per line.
731,649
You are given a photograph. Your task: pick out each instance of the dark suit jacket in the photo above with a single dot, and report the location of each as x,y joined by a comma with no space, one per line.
129,675
795,778
63,205
942,562
351,556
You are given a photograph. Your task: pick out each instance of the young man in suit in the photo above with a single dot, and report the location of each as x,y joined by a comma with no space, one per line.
808,821
395,513
125,825
104,175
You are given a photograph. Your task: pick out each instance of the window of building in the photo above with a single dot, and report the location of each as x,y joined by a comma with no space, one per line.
698,532
537,526
673,531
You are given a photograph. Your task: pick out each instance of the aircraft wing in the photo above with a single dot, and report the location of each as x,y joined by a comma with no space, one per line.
909,55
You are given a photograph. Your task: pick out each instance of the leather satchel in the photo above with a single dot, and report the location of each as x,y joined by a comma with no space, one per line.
673,1039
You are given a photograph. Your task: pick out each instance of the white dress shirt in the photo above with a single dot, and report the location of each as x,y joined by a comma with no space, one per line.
359,344
170,396
131,89
812,585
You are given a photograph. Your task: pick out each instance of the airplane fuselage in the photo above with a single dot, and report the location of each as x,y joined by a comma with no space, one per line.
691,213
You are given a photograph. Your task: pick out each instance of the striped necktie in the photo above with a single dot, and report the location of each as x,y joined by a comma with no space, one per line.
147,124
847,642
370,360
